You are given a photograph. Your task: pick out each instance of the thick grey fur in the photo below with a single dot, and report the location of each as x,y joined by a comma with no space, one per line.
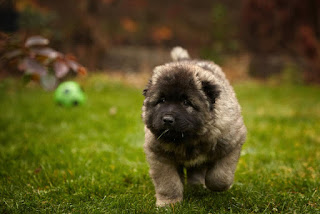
215,152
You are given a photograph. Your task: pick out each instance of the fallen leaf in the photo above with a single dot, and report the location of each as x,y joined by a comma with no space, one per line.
37,170
113,110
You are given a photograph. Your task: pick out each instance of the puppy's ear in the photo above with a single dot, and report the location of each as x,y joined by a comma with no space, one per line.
144,93
212,91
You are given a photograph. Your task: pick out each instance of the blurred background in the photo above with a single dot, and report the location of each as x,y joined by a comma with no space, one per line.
264,39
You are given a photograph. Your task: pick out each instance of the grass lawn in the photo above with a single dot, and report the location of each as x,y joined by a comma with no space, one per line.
90,159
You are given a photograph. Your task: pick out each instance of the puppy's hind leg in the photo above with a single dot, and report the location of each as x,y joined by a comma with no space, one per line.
220,175
196,175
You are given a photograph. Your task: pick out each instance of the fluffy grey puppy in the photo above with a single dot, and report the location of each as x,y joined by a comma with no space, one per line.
193,121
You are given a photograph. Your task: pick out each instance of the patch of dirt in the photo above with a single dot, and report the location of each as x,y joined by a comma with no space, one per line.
235,68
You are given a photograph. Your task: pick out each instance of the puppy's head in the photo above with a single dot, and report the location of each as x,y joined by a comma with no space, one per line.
178,102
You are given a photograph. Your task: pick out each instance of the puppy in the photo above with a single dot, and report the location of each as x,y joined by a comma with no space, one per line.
193,121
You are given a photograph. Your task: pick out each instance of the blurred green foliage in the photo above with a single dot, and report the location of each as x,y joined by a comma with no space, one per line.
292,74
223,33
34,21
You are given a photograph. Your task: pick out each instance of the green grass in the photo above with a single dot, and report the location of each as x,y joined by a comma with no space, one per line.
90,159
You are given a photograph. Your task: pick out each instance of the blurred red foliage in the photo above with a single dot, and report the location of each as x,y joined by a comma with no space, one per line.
289,27
36,60
309,47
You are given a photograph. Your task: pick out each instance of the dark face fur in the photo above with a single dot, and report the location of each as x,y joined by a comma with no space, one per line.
176,110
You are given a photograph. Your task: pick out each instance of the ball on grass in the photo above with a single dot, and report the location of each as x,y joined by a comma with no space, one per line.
69,94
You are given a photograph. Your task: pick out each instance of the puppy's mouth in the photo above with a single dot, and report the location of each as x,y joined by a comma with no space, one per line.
170,135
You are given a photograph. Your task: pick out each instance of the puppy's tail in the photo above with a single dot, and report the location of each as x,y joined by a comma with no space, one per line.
178,54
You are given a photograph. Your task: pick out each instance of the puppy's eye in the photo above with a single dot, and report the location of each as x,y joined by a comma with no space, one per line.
186,102
162,100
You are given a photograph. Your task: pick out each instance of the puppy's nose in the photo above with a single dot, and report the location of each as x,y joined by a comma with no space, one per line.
168,119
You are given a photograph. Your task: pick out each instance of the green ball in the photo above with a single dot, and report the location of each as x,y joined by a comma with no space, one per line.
69,94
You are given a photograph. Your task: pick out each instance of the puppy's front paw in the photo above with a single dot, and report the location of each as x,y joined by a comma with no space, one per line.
166,202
